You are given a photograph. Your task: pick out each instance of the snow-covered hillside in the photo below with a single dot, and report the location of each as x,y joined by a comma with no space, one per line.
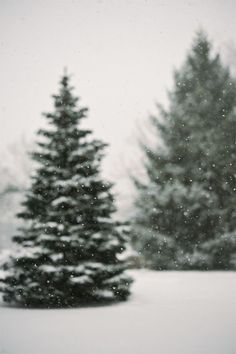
168,313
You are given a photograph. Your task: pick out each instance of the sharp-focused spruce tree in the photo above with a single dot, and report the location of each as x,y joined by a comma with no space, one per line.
186,209
68,247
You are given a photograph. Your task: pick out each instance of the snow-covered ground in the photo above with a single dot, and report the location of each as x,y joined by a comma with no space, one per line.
168,313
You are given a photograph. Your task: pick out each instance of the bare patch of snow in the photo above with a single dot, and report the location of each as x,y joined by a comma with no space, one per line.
168,313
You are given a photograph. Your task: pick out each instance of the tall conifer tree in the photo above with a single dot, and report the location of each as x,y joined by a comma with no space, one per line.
186,210
68,247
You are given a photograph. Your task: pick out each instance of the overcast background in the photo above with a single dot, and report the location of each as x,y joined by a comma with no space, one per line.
121,55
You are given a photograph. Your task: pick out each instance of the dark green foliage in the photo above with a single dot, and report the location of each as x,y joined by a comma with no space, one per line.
221,251
69,244
190,193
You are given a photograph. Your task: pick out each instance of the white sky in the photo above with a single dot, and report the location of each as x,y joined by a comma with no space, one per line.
121,54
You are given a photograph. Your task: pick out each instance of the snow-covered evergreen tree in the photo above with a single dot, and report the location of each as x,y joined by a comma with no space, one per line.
188,202
68,247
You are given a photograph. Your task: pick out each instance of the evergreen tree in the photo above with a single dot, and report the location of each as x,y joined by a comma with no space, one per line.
187,204
68,247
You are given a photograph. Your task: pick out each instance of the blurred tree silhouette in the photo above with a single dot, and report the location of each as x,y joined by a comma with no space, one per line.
14,180
188,201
